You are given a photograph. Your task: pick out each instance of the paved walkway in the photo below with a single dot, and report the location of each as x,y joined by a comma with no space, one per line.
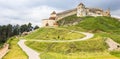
34,55
112,44
87,36
31,53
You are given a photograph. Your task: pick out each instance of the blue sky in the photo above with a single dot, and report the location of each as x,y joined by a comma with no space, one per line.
25,11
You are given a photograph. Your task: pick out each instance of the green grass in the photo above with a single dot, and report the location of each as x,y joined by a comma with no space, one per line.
1,45
54,34
94,24
88,45
101,26
81,55
92,49
115,53
106,24
69,20
15,51
113,36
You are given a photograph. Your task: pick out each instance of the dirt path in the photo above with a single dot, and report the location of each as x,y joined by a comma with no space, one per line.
34,55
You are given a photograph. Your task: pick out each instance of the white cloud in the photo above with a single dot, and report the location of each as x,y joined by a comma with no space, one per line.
33,15
116,12
25,11
13,2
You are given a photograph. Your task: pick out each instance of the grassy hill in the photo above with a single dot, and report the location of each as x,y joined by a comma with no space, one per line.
73,50
93,48
53,34
104,26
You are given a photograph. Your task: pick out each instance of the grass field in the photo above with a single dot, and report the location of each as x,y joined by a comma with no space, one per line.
94,44
101,26
81,55
15,51
53,34
94,48
104,26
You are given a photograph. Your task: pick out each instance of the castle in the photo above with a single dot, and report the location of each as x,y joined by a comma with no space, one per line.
80,11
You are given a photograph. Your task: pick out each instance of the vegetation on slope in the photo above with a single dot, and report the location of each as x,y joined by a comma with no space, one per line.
81,55
73,50
100,26
53,34
69,20
94,44
15,51
104,26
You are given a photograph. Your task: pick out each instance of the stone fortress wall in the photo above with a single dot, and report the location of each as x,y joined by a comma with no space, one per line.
66,13
81,10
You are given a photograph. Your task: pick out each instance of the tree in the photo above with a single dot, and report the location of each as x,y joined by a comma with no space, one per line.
23,28
16,30
9,30
36,27
29,27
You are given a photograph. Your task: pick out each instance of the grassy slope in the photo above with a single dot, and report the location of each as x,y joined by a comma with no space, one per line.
81,55
101,26
75,50
69,20
87,46
104,26
15,51
53,34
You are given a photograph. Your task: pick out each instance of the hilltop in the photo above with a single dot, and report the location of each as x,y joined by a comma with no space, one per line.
101,26
78,33
100,23
104,26
93,48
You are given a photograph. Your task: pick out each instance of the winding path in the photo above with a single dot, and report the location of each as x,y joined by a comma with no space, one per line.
34,55
31,53
87,36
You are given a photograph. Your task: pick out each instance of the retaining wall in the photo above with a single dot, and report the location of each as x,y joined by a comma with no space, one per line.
4,50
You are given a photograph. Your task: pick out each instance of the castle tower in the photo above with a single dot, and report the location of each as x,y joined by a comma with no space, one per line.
107,12
81,11
53,15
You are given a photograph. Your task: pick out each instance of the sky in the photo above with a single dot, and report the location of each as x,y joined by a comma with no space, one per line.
33,11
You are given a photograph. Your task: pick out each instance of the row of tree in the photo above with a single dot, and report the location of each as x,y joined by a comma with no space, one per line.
7,31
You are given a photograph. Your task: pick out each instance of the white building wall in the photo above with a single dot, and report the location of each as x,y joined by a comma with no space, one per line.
50,22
